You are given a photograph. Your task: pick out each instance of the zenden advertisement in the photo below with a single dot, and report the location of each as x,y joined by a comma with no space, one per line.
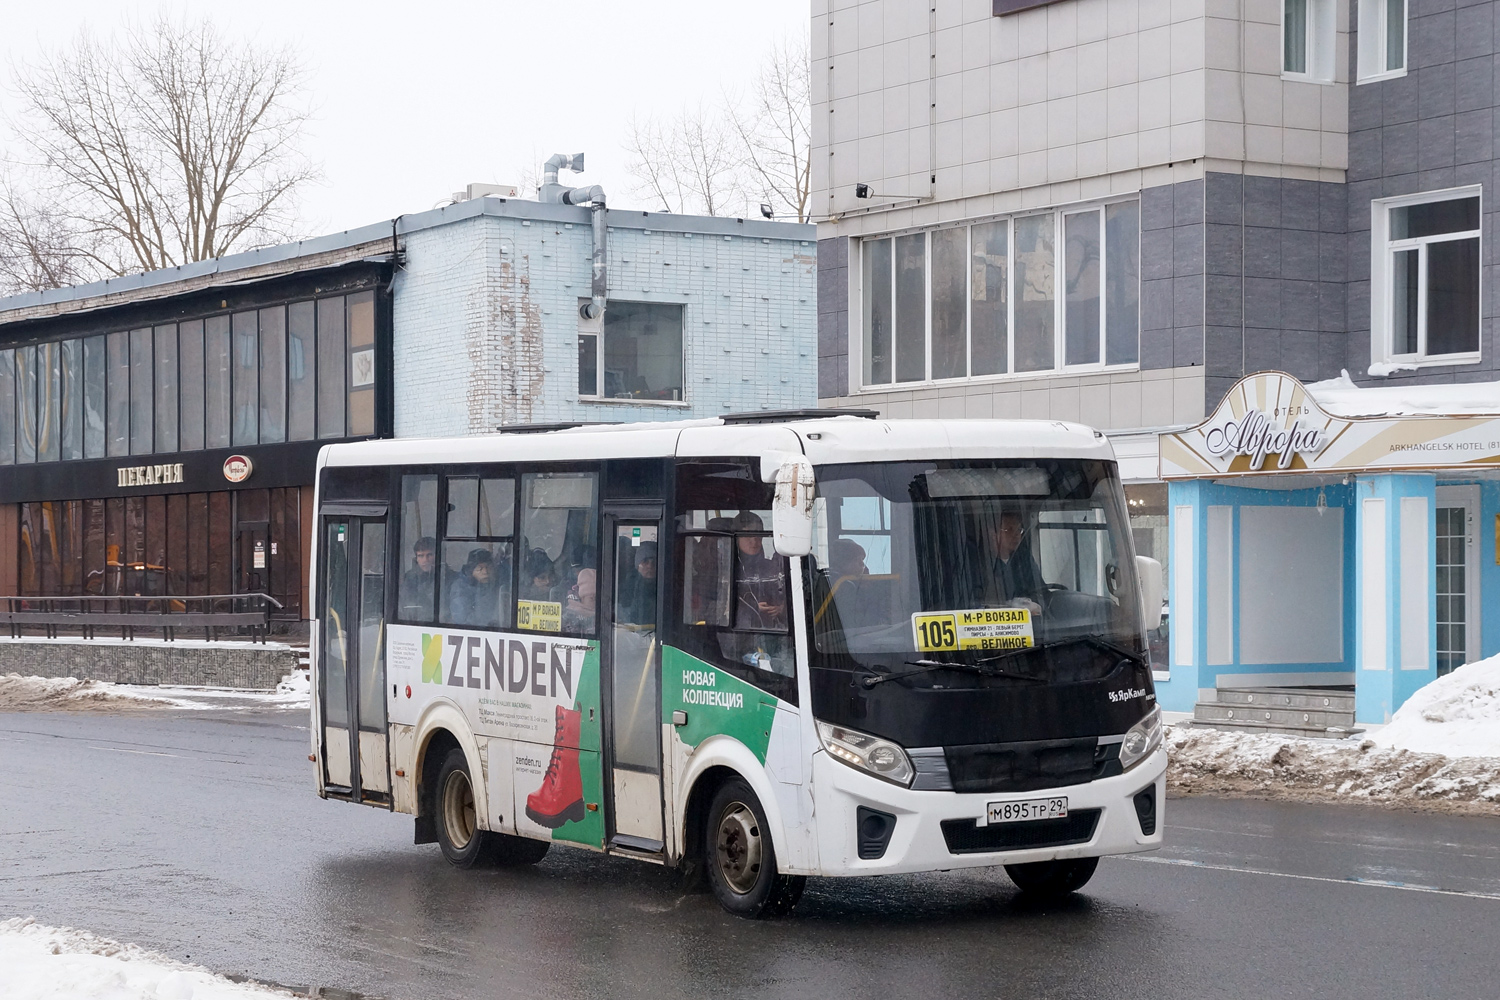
540,692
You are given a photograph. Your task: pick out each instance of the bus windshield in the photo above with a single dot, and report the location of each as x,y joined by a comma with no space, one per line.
974,562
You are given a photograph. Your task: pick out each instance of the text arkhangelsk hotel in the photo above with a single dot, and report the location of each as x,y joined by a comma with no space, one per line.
1182,221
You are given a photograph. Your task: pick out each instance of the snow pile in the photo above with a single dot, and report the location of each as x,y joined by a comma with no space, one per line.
1260,765
298,682
39,962
44,694
1457,715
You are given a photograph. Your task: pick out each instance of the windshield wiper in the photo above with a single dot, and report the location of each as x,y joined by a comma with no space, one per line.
927,666
1092,640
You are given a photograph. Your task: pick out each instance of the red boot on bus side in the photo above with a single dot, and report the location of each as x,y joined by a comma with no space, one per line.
560,798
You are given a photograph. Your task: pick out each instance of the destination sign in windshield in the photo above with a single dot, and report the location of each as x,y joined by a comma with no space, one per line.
980,628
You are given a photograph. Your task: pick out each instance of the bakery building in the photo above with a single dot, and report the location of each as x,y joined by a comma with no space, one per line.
164,444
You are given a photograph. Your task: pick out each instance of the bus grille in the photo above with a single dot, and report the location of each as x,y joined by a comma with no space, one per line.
1030,766
966,836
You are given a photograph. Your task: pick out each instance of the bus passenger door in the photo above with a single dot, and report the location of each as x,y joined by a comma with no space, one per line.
632,685
351,637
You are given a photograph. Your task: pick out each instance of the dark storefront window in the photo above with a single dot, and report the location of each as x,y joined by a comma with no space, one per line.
140,392
7,407
273,375
180,546
301,387
70,364
246,366
294,372
94,364
166,388
190,396
117,395
48,401
331,363
25,405
216,401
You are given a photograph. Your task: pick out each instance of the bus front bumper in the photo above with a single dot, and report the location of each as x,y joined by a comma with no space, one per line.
1103,820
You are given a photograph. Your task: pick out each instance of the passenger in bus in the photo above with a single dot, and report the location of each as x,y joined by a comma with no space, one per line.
578,609
539,578
762,578
846,557
477,594
638,589
418,582
1014,579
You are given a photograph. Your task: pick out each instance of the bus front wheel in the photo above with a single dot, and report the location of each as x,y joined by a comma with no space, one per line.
741,859
1042,879
458,833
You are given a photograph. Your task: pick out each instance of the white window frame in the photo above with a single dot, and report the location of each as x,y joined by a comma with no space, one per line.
1374,31
1059,316
1382,282
595,328
1321,31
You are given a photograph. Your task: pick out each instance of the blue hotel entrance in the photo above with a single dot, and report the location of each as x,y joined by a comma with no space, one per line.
1330,547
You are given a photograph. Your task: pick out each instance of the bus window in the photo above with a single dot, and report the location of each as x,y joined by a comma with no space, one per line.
558,555
733,597
478,552
419,530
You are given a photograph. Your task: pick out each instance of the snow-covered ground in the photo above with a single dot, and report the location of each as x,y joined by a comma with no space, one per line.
1441,751
51,694
59,963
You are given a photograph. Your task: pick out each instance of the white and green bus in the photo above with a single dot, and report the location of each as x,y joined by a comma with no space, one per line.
758,648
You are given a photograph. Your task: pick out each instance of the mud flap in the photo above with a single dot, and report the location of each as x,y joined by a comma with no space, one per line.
425,831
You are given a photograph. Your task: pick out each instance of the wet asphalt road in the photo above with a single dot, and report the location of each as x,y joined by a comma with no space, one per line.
198,835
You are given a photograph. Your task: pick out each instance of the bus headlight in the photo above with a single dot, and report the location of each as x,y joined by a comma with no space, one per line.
1141,740
872,754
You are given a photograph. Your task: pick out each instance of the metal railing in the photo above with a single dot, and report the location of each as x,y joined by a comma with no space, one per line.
85,615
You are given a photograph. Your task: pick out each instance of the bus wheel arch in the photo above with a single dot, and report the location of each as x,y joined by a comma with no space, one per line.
440,730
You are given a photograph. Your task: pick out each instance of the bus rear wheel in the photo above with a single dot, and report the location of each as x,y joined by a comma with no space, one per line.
1044,879
458,833
741,859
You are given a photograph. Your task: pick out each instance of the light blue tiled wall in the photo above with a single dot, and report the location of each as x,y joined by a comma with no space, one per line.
486,320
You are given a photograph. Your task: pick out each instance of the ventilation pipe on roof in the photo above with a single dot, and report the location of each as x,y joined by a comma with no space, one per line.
557,194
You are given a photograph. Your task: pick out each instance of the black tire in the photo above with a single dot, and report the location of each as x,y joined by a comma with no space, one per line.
1045,879
456,823
453,813
740,858
507,851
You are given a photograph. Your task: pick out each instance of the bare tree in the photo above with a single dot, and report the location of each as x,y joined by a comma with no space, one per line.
775,130
688,164
38,248
165,146
718,159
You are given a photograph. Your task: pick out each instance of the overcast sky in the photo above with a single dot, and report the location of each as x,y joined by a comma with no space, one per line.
416,99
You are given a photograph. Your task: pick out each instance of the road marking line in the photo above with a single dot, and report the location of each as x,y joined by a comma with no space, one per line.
1350,880
147,753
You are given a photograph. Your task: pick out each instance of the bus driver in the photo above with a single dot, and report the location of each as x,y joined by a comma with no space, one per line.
1014,579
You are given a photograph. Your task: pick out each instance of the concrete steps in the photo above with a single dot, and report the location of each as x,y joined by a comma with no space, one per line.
1321,712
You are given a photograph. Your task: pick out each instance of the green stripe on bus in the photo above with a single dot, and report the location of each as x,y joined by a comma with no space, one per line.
716,702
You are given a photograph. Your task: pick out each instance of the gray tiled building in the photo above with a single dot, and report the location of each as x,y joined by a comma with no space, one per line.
1110,210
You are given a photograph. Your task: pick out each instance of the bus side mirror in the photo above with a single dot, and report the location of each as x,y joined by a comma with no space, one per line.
1149,577
792,508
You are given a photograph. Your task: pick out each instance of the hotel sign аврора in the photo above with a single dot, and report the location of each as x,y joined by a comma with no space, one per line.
1269,423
